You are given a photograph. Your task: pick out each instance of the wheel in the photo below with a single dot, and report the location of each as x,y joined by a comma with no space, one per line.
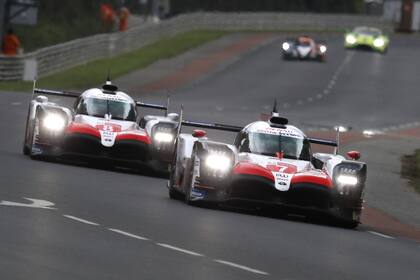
384,51
29,130
173,193
190,180
348,224
321,58
31,140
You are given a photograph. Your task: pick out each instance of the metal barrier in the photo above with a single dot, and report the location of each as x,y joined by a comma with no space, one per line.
63,56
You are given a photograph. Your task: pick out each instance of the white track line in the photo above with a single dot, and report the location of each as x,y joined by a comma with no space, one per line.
242,267
128,234
81,220
381,235
167,246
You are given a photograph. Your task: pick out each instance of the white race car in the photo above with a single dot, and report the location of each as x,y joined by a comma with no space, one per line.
102,127
270,164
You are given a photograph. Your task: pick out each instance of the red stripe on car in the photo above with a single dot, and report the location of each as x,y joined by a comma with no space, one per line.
322,180
143,137
253,169
83,129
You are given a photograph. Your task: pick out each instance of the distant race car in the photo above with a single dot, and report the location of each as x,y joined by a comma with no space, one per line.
367,37
270,164
304,47
101,127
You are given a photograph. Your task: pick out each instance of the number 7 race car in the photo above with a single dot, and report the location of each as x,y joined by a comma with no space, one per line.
270,164
101,127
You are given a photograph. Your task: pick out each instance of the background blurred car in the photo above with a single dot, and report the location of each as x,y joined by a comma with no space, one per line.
304,47
366,37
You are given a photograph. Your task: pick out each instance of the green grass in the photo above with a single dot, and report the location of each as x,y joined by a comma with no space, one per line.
94,73
411,169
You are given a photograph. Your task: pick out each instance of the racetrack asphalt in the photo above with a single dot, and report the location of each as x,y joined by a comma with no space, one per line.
119,225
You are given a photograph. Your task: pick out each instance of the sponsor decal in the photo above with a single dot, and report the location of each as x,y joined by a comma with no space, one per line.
282,181
283,173
110,97
280,131
108,133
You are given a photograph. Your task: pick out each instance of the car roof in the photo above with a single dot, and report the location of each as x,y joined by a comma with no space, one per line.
305,39
266,128
102,94
367,29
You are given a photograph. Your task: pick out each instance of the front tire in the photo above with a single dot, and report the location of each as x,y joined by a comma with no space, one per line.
29,130
348,224
191,181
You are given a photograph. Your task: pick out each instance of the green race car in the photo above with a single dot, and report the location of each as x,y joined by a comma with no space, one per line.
366,37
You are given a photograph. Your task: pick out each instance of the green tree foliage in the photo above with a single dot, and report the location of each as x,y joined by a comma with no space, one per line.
60,21
321,6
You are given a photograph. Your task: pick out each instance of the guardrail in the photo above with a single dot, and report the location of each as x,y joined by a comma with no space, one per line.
55,58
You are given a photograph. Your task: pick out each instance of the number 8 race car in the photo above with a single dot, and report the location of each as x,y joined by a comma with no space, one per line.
270,164
101,127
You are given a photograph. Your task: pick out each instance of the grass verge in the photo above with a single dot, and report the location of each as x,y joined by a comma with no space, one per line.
410,169
94,73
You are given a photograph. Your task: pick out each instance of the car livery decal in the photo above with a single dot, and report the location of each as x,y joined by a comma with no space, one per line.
283,174
108,133
111,97
279,131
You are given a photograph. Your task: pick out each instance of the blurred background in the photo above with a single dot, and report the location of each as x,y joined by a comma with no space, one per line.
59,21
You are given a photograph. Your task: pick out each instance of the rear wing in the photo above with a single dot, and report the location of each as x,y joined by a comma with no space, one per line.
217,126
55,92
77,94
323,142
154,106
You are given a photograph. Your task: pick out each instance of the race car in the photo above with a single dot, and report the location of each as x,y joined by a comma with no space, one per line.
269,165
304,47
102,127
366,37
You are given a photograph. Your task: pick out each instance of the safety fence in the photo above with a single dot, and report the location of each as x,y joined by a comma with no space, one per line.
63,56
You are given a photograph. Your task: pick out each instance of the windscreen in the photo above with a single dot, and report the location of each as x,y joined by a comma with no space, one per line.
368,32
269,145
119,110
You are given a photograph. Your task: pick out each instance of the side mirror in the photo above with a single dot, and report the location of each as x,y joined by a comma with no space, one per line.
199,133
354,155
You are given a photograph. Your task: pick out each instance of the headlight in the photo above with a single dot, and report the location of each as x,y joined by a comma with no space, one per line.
351,39
379,42
54,122
347,180
218,162
322,49
286,46
163,137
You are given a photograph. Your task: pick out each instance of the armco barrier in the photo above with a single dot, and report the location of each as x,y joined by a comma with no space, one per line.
62,56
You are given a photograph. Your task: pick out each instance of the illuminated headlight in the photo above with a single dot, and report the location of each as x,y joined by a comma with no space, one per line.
218,162
347,180
351,39
54,122
286,46
322,49
379,42
163,137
